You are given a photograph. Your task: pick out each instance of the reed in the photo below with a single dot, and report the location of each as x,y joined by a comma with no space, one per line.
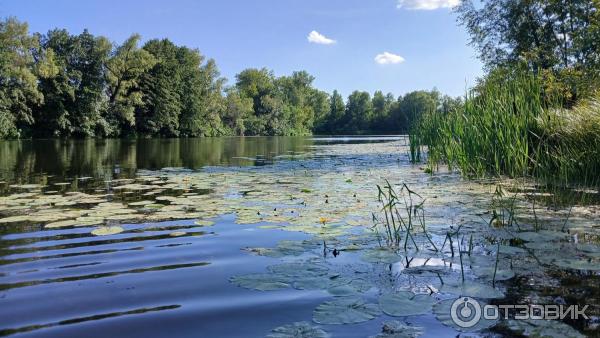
402,212
508,126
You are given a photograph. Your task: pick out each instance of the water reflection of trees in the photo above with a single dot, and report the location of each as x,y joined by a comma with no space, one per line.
32,160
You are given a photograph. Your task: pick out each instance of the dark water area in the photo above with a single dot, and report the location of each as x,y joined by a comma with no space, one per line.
27,160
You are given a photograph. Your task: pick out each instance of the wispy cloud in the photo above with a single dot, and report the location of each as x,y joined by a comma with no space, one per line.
316,37
427,5
387,58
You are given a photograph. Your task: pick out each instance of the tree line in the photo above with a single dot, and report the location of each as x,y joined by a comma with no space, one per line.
62,85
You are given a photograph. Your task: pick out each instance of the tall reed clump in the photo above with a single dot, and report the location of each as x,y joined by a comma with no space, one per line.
569,149
507,127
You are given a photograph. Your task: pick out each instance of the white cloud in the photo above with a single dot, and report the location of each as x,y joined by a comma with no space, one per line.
386,58
427,4
316,37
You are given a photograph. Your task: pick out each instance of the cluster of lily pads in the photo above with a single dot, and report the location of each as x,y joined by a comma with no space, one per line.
332,198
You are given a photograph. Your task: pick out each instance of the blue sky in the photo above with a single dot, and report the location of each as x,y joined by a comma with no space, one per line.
425,47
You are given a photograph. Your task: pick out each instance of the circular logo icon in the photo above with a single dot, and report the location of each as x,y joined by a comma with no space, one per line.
465,312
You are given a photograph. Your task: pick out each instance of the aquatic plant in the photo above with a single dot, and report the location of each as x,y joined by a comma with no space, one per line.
405,303
298,330
402,210
345,310
508,126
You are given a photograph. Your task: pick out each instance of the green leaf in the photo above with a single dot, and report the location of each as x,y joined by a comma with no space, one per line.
472,289
396,329
298,330
405,303
261,281
543,328
105,231
347,310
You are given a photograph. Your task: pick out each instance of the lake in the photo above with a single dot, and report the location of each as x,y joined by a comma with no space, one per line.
258,236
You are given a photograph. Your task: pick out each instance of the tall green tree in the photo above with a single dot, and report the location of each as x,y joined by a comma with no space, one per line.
382,105
238,110
200,92
414,105
125,68
18,81
75,99
162,103
359,112
337,111
259,85
320,104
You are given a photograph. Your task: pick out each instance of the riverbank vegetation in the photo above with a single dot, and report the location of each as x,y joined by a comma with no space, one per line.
63,85
537,110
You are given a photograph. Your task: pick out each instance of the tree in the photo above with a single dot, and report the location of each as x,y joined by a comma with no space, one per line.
162,104
18,82
320,104
237,110
294,91
381,111
200,92
331,122
413,105
75,101
90,56
63,85
449,104
359,112
125,68
555,38
52,118
259,85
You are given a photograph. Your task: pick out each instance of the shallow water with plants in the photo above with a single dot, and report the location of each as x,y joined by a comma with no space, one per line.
278,237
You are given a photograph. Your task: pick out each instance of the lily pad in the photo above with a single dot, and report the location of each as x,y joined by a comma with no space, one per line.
204,223
472,289
297,270
343,290
405,303
396,329
105,231
298,330
14,219
543,328
509,250
311,283
61,224
261,281
488,273
544,246
347,310
381,256
589,248
542,236
577,264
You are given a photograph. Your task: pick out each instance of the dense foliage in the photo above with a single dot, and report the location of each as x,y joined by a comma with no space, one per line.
536,111
558,40
63,85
